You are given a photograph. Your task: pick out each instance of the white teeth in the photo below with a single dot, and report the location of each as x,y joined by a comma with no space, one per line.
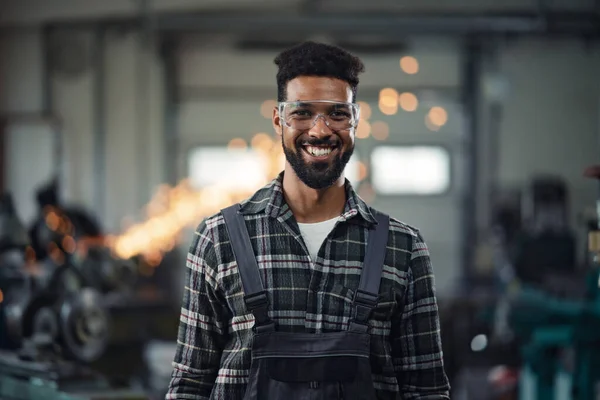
318,151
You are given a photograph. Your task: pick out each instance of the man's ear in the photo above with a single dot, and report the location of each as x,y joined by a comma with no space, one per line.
277,122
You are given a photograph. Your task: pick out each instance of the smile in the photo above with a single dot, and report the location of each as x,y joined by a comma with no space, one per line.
319,151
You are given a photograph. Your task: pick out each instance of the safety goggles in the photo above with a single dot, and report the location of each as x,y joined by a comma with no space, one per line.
303,115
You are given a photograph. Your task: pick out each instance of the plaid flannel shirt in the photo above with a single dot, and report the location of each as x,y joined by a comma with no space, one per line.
213,356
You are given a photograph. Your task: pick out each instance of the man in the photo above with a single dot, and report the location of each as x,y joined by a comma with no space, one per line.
291,315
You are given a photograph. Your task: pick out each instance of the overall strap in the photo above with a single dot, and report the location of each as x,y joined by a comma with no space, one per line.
255,296
365,299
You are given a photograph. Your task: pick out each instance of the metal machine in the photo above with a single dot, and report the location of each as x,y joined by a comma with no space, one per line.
54,320
559,330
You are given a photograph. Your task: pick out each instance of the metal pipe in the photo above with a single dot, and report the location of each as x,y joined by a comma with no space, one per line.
47,95
99,124
472,57
563,23
493,104
342,24
142,104
170,130
47,111
3,166
250,24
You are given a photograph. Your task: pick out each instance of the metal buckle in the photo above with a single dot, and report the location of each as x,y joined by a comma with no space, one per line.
366,298
258,305
362,313
270,327
364,303
256,300
358,327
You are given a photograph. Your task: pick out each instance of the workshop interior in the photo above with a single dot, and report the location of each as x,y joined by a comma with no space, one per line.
124,123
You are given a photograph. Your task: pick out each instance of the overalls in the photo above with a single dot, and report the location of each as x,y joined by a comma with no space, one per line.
304,365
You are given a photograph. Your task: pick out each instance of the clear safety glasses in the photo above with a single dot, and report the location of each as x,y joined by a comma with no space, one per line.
303,115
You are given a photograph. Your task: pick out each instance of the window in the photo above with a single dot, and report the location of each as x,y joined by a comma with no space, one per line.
242,169
230,169
352,170
419,170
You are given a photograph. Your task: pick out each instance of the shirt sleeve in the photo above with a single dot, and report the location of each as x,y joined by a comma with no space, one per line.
202,324
416,342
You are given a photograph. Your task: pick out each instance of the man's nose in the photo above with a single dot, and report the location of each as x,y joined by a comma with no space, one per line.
320,129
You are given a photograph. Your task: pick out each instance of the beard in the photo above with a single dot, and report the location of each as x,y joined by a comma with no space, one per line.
316,175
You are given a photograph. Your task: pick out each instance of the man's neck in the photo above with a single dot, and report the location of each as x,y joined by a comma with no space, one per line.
313,205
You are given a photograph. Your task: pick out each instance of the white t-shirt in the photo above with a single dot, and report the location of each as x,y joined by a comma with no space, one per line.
315,233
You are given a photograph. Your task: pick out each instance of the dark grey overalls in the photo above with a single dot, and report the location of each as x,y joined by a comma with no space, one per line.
304,365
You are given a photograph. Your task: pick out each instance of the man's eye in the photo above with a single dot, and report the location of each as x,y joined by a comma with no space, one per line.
301,113
340,114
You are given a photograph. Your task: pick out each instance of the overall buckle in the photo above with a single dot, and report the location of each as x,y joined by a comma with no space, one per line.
364,303
258,305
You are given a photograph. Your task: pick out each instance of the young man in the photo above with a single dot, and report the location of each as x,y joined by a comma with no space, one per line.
304,291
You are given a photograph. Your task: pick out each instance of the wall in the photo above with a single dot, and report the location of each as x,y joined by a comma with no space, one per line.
21,67
126,118
77,117
550,118
134,127
22,102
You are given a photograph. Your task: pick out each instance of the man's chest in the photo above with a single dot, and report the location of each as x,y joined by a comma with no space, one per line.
305,293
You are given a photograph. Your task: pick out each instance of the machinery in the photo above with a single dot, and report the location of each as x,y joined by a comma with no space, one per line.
54,321
50,319
61,231
556,322
545,245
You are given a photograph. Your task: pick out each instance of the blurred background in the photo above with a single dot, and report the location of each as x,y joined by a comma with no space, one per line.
123,123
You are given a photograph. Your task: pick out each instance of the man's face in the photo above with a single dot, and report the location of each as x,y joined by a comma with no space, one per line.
317,154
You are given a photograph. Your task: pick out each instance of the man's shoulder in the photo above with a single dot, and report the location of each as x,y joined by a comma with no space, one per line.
399,228
207,226
212,225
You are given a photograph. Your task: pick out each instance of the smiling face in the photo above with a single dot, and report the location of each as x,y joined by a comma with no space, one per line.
317,154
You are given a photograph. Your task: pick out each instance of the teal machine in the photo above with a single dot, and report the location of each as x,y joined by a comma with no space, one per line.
560,337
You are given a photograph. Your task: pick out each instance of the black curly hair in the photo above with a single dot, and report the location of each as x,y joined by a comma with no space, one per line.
317,59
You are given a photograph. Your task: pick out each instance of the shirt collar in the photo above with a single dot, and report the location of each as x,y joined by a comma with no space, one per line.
270,201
